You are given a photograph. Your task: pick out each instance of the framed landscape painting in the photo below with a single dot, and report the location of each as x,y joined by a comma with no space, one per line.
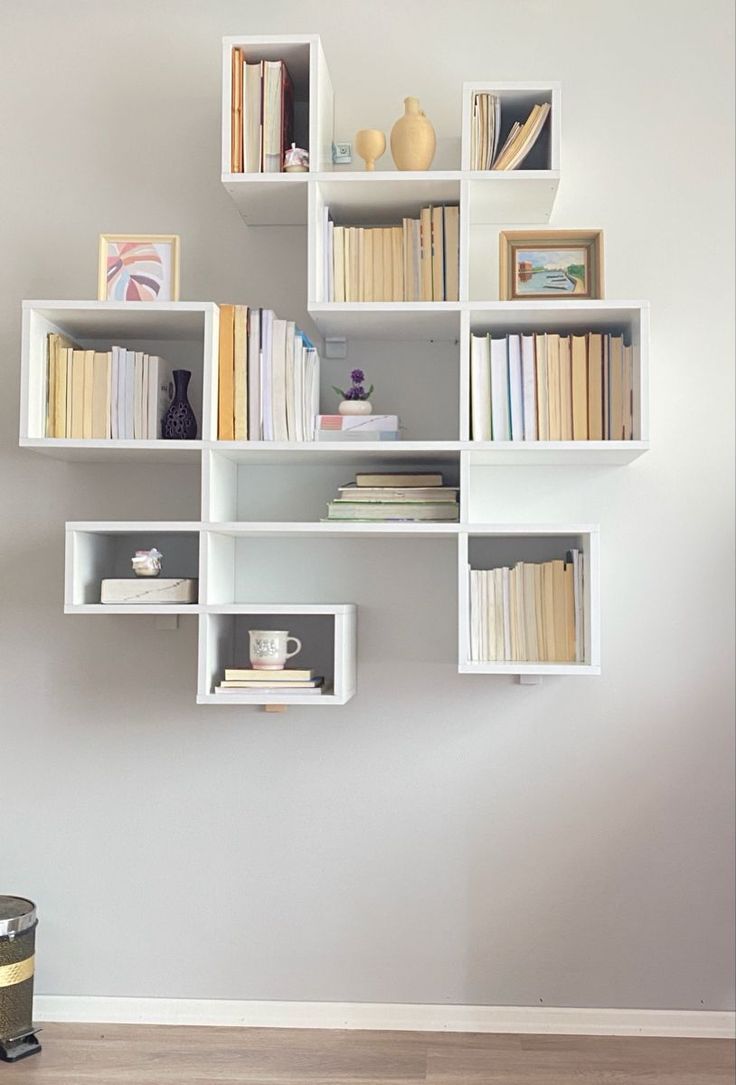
138,267
564,265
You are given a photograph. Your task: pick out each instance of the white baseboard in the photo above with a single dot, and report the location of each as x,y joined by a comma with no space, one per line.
385,1016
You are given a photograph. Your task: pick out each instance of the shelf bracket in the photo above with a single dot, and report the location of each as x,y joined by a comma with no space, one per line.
167,621
275,707
336,346
530,679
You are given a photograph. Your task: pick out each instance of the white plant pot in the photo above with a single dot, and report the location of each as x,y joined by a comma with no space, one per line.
355,406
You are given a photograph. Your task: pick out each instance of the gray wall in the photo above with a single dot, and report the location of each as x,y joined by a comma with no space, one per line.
442,838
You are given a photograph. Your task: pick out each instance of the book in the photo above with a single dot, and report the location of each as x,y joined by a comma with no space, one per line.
529,387
240,372
138,394
628,393
252,117
516,399
520,144
236,111
397,263
281,692
386,510
554,413
438,254
425,254
480,388
579,388
398,493
338,259
357,435
63,368
398,479
255,431
616,377
500,412
365,423
278,114
101,395
265,682
278,381
452,252
77,400
540,347
287,674
225,395
565,388
595,386
87,394
55,384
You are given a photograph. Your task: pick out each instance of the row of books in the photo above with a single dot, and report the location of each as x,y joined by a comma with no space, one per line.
529,613
395,498
262,114
485,134
268,370
356,427
266,683
550,387
417,261
118,394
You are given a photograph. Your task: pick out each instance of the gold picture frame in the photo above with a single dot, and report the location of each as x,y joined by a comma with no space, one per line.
138,267
557,265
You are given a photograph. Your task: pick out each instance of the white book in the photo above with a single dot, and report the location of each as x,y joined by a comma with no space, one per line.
299,412
326,254
152,398
129,397
483,613
144,396
474,614
278,381
114,432
122,367
331,294
516,400
267,319
271,116
291,407
480,387
254,375
489,602
138,395
501,421
529,387
498,646
313,392
505,577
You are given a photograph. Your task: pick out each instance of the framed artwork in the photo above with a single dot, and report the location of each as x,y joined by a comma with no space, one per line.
138,267
564,265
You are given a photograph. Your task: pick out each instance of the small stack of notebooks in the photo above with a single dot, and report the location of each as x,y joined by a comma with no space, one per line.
357,427
486,131
238,679
395,498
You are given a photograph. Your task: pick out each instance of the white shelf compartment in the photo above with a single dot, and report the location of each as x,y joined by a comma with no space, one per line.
235,489
520,196
388,320
504,317
495,545
184,333
327,632
96,550
269,199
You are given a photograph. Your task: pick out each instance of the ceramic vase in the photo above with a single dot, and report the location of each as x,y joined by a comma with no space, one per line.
179,423
413,140
370,145
355,406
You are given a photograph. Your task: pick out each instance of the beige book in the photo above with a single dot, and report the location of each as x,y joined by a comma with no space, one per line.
378,272
387,281
52,366
425,253
498,646
101,395
338,256
540,353
595,386
349,280
569,582
539,611
553,387
69,392
368,272
548,594
579,389
530,613
252,122
514,613
452,253
559,590
407,259
355,263
514,144
89,357
361,264
438,255
225,419
77,400
236,111
616,409
397,263
240,373
628,406
63,363
565,389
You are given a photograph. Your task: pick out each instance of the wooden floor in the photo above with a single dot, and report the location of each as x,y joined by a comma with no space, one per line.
158,1055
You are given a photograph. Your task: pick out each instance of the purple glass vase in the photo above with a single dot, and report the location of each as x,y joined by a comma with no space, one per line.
179,423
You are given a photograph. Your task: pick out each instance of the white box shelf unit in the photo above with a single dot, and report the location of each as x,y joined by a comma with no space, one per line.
327,632
493,546
184,333
520,196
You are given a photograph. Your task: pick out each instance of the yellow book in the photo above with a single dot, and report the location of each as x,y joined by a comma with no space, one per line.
569,612
77,399
101,395
559,591
540,353
553,387
240,373
369,273
539,611
452,253
438,255
425,253
387,259
548,599
62,382
397,263
348,244
338,244
355,263
236,111
52,370
225,416
89,358
361,264
530,612
565,389
407,259
595,386
579,389
69,397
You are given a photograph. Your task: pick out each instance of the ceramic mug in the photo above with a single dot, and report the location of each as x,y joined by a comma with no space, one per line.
269,649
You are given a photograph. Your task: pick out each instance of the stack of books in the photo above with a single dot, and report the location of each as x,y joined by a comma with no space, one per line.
268,372
550,387
356,427
485,129
417,261
395,498
117,394
530,613
238,679
262,114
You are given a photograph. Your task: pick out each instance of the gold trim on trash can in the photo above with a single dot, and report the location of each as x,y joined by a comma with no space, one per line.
10,974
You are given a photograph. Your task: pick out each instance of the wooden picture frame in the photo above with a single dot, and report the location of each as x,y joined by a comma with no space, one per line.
573,272
138,267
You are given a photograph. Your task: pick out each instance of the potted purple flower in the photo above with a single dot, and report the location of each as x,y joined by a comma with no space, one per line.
356,399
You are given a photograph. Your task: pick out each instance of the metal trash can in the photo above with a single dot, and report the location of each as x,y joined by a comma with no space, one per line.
17,945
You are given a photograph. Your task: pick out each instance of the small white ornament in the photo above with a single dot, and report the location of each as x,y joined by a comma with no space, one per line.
296,160
147,562
355,406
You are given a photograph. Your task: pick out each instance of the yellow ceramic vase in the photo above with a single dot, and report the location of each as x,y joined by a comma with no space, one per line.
370,144
413,141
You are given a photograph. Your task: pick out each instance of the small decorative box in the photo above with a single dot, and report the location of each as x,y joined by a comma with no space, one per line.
160,590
